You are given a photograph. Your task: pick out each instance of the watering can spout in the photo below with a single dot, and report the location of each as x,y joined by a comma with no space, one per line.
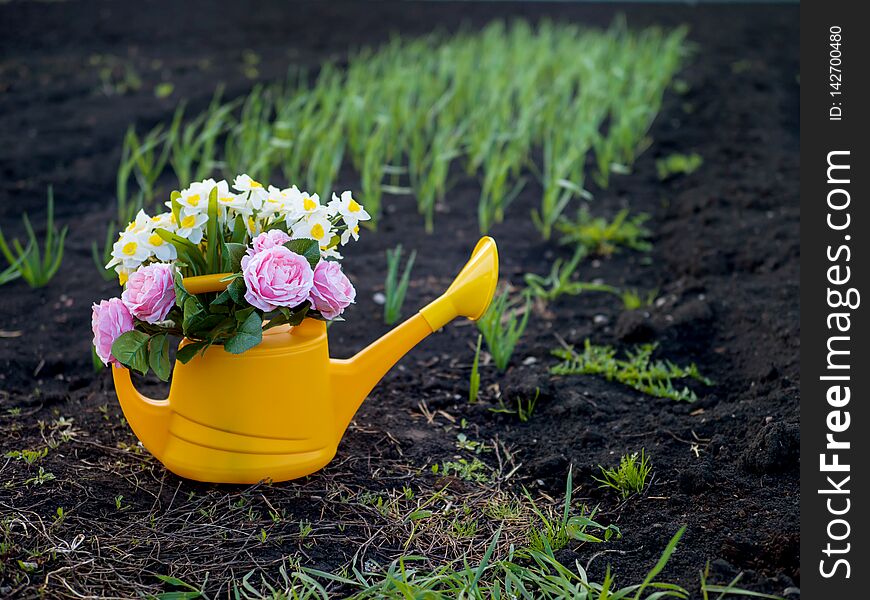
468,296
148,418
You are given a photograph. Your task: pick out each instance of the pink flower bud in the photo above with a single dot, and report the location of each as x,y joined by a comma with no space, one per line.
268,239
331,291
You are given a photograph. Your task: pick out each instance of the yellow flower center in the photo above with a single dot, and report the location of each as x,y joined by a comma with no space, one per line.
356,229
353,206
252,224
188,221
129,248
130,225
123,276
155,240
308,203
256,184
317,231
225,199
193,200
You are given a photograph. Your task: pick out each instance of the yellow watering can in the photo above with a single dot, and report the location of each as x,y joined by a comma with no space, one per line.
279,410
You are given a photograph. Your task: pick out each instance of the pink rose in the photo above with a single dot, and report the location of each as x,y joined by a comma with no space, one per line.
268,239
109,319
332,291
276,277
150,293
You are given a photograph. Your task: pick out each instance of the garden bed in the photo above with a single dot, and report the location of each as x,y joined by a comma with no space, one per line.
724,260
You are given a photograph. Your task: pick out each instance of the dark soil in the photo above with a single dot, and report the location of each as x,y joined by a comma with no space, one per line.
725,262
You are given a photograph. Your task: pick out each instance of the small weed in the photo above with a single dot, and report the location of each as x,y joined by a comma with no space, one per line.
603,237
118,77
464,527
35,266
192,592
119,503
463,443
502,510
678,164
629,477
555,532
637,370
305,529
475,470
31,457
163,89
502,328
474,383
394,287
41,477
558,282
633,299
525,407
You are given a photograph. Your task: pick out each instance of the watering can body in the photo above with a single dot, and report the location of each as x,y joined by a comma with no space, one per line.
278,411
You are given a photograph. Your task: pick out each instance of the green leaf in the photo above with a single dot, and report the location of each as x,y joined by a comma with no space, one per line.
186,250
237,290
196,319
181,294
239,230
176,206
212,232
307,248
158,356
248,335
297,316
221,300
232,259
189,350
131,349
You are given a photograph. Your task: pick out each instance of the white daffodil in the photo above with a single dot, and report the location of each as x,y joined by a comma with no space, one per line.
131,249
306,204
254,190
350,232
331,253
315,226
350,210
253,226
190,225
123,274
195,198
278,202
230,205
160,248
163,221
142,222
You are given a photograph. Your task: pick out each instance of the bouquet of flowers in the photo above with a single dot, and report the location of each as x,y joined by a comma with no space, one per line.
278,249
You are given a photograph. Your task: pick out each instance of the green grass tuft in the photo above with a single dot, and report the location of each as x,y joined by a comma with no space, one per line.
36,266
602,237
502,328
629,477
678,164
637,370
395,287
